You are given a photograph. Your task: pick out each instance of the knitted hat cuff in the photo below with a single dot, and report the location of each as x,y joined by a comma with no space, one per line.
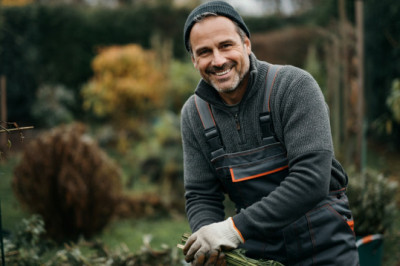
218,7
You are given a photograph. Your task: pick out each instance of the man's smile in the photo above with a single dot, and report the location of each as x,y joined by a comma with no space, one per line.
223,72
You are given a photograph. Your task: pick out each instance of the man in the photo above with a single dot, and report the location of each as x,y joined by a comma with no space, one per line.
260,134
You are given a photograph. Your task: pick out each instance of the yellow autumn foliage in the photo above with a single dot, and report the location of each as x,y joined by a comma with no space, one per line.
127,83
15,2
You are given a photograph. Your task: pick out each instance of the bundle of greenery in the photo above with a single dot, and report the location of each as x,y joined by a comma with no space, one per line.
237,257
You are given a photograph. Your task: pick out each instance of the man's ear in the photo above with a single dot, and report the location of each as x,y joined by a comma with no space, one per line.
247,44
193,61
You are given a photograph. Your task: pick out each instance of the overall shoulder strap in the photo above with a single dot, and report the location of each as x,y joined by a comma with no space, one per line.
210,128
267,129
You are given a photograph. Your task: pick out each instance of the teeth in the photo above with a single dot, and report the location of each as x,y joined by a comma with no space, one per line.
222,73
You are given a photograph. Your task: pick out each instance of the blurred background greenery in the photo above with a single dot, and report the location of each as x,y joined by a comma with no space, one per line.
102,82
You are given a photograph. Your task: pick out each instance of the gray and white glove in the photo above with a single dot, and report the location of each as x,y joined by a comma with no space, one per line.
211,239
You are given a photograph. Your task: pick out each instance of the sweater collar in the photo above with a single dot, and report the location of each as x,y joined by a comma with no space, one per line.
258,69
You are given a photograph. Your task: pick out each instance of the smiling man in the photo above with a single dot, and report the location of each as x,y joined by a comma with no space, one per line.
260,134
221,55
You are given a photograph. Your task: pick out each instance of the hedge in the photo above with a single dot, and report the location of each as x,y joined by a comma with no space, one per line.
55,44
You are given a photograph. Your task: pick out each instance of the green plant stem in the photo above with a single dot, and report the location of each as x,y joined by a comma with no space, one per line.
236,257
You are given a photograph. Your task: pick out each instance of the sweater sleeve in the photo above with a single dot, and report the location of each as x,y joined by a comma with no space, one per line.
301,122
203,192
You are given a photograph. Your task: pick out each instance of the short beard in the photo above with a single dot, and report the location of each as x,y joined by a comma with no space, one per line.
236,82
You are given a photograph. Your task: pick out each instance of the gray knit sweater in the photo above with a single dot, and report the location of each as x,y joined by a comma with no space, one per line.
301,123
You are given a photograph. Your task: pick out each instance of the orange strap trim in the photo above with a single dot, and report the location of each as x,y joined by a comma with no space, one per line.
258,175
351,224
367,239
237,230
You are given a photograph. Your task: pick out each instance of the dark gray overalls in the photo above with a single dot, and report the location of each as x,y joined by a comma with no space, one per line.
323,236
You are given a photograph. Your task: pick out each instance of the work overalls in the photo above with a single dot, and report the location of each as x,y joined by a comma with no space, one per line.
323,236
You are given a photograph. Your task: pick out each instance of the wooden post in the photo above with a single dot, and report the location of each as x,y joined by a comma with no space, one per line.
359,9
3,96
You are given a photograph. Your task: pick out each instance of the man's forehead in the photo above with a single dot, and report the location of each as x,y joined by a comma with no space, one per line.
212,25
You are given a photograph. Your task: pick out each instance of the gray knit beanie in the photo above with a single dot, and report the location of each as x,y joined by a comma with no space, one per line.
218,7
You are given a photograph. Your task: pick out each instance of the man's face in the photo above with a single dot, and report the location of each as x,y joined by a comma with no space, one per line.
219,54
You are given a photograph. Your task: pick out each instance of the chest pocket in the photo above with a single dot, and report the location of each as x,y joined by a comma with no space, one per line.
249,175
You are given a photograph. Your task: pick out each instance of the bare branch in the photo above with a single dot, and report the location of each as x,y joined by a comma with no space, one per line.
14,129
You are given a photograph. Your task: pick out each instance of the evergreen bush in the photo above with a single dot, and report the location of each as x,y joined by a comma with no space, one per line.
372,199
53,105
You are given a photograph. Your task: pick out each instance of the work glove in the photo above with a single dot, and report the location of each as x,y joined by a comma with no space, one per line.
206,245
215,258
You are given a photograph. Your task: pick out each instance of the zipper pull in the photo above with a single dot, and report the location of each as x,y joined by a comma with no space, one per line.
237,122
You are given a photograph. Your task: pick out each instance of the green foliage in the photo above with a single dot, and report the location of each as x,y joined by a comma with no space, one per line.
55,44
30,248
73,255
393,100
28,244
18,53
382,52
159,159
53,105
372,198
387,125
65,177
183,79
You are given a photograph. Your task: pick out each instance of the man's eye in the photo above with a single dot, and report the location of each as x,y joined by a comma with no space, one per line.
226,45
202,52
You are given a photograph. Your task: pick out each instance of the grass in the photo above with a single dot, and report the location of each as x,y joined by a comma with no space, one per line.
163,231
11,211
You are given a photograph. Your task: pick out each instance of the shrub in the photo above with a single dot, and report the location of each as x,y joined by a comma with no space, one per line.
387,125
127,83
27,246
372,198
159,158
128,87
393,100
183,81
65,177
53,105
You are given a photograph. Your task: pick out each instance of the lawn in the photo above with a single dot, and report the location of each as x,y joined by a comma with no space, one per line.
10,208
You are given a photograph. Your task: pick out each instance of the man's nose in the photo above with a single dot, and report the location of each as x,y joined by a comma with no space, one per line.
218,59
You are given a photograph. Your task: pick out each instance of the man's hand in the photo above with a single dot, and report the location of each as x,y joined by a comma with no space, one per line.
215,257
205,246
